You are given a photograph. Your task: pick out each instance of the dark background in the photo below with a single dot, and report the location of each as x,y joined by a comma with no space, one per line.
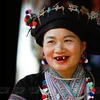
12,27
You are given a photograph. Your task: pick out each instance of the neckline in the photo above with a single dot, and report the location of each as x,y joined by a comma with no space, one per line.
90,84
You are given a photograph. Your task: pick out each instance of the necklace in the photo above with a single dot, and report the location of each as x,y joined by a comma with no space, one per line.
89,85
76,78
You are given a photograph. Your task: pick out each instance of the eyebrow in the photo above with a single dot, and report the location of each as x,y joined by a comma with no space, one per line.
51,37
67,36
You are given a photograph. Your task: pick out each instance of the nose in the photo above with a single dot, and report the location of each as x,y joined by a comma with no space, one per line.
59,48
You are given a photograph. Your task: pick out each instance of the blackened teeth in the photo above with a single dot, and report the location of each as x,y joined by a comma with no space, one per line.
61,58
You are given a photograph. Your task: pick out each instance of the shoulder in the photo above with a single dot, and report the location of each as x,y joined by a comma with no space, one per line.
31,80
27,87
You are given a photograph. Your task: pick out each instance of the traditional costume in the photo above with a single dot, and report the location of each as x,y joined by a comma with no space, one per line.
48,84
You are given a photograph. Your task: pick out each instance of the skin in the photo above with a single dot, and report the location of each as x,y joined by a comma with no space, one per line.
62,42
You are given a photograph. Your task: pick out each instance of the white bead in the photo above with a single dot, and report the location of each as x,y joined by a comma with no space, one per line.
90,97
86,61
42,62
45,90
87,78
58,96
33,27
45,99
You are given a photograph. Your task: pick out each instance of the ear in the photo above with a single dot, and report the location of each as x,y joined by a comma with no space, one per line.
83,46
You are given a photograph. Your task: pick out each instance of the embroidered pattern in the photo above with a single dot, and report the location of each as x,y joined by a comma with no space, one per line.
73,8
98,20
93,15
61,89
30,17
84,10
16,97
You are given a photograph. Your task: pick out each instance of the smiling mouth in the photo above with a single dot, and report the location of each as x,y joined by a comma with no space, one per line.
61,58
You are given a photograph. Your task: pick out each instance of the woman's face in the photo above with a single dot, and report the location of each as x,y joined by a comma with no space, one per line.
62,48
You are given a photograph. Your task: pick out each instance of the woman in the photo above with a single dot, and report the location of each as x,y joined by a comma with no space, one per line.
65,33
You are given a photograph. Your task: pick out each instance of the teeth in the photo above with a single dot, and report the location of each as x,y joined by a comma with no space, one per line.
63,57
58,58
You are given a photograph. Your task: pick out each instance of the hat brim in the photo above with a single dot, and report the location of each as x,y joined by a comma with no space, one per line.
75,26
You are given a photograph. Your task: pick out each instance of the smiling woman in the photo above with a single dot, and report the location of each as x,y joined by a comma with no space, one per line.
66,34
61,47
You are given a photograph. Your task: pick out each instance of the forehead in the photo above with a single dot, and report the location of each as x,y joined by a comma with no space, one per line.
59,32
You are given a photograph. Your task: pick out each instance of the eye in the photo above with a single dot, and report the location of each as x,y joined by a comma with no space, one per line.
51,41
68,40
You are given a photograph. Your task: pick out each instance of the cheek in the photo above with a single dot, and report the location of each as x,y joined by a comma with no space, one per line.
75,49
47,51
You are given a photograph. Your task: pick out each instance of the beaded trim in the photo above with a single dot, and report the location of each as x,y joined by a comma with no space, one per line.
31,17
89,94
16,97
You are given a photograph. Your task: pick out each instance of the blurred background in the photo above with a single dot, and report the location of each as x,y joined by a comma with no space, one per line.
23,55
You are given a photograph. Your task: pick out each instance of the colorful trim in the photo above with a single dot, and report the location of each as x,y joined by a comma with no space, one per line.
31,17
62,91
16,97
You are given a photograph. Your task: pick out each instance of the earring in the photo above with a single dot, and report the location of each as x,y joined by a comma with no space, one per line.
83,58
44,62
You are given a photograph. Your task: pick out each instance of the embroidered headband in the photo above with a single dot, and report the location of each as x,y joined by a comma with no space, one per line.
78,19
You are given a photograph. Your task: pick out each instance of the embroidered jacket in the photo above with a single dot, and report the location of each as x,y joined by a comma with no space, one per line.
28,88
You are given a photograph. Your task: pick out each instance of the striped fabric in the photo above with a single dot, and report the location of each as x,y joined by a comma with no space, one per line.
16,97
61,90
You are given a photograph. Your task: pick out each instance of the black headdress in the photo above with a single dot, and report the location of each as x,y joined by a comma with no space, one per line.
78,19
